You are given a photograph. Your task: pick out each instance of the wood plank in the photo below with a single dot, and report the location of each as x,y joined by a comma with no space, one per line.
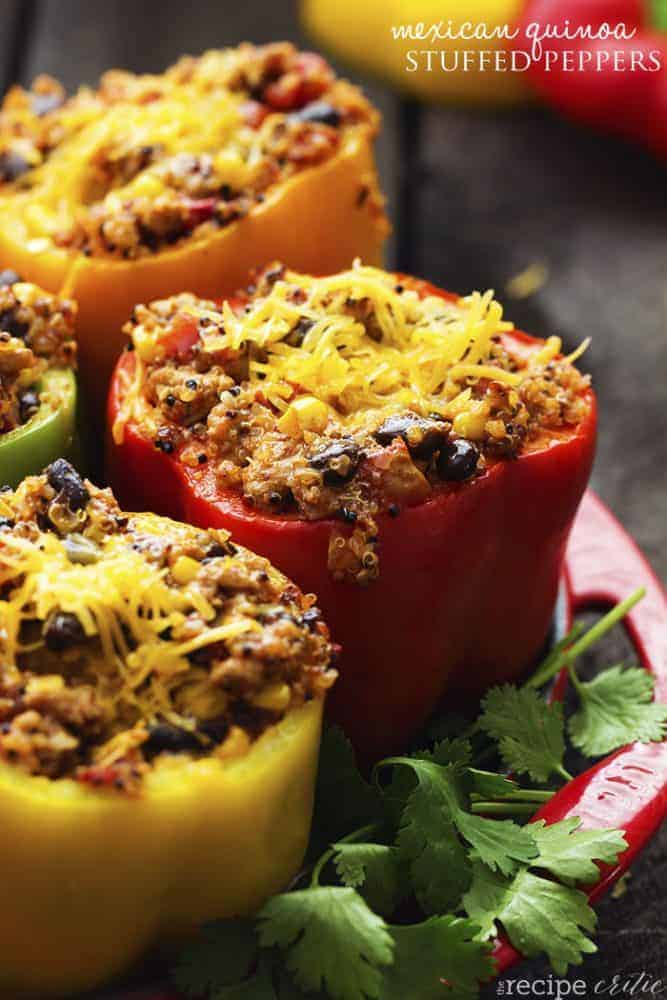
496,194
16,20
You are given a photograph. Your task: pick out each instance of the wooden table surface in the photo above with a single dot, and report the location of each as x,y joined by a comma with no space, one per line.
476,197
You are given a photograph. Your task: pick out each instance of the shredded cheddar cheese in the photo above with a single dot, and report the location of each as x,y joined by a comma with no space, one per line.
122,636
421,344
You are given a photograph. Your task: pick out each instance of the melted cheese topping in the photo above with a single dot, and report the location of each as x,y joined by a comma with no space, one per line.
409,360
124,601
106,149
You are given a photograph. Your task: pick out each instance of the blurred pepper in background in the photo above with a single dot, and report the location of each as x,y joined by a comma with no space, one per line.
361,34
617,85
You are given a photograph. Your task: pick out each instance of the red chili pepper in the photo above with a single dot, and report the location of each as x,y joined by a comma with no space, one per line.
628,790
619,85
467,582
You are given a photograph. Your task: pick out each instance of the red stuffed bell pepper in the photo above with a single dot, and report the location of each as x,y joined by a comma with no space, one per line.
601,62
406,455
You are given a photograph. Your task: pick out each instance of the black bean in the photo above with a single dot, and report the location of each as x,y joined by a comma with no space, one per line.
297,333
214,729
348,515
28,404
43,104
165,738
338,462
423,437
217,551
6,522
458,461
10,324
318,111
12,165
64,478
8,277
63,630
311,617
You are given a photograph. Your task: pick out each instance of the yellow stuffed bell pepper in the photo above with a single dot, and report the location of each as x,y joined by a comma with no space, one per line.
441,51
150,185
161,698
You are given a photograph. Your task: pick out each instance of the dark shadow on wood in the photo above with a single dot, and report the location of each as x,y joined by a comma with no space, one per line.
407,202
19,22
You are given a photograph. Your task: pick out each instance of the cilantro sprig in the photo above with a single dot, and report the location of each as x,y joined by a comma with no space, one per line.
442,854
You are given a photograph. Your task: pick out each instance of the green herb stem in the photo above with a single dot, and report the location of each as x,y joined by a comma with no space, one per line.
522,795
504,808
566,656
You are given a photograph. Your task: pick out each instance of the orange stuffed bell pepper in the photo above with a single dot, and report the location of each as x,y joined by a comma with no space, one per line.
153,184
406,455
161,695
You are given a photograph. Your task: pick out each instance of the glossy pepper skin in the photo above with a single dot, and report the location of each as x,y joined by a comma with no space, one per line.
91,879
344,29
610,92
48,435
296,223
467,583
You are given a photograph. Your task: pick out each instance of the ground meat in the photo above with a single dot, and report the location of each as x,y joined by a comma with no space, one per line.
82,708
36,333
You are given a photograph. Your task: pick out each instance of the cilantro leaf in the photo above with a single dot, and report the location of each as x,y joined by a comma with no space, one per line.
529,731
570,853
450,751
344,801
221,956
616,708
440,948
373,869
332,940
538,915
489,785
427,837
500,844
447,751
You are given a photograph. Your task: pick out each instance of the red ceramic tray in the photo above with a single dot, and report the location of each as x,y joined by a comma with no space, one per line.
627,790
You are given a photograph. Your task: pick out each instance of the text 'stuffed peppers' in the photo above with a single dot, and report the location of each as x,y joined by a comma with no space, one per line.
37,380
606,66
450,51
149,185
407,456
163,777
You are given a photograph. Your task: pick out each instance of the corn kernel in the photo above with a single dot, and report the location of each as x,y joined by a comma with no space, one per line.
275,698
305,414
471,424
185,569
51,684
236,744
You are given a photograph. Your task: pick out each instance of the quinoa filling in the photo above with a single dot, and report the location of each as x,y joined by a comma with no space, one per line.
36,333
127,638
344,397
143,162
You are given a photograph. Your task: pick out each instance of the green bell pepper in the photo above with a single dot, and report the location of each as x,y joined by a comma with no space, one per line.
48,435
